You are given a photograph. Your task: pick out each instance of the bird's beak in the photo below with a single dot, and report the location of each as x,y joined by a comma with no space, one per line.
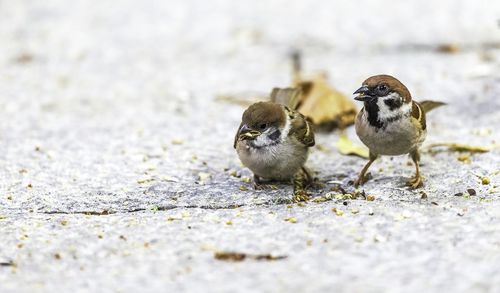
364,94
247,133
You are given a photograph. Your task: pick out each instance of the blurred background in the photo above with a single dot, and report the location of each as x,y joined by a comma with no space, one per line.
116,52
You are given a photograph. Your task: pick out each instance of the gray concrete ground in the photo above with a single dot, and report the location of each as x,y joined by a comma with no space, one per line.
118,172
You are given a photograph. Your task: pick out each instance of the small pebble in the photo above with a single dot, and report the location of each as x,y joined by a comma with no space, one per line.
472,192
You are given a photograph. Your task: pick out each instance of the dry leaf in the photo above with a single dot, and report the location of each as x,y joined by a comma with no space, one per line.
324,105
448,48
457,147
348,148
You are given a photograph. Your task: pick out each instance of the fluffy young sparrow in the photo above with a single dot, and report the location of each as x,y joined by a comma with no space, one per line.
391,123
273,140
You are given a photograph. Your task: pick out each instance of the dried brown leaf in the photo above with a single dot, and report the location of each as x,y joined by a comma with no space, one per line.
348,148
458,147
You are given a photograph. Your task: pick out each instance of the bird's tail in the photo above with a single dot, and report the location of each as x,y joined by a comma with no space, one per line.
428,105
287,96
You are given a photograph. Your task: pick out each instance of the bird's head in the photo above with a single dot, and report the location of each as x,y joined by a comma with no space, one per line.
262,124
384,97
382,87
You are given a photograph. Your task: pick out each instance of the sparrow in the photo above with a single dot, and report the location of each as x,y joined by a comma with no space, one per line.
273,140
391,123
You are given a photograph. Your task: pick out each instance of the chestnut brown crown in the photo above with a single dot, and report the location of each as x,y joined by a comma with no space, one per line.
262,115
390,84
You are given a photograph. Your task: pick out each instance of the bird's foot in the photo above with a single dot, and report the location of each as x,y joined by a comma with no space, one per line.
260,186
362,180
415,182
300,196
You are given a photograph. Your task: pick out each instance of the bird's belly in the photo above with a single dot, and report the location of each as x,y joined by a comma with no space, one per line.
397,138
277,162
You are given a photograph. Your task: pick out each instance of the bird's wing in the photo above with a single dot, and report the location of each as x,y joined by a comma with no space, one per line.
303,130
289,97
418,114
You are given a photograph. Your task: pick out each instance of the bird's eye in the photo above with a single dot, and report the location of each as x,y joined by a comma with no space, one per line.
263,126
383,89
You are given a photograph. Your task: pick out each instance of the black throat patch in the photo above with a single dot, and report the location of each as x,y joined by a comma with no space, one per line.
372,111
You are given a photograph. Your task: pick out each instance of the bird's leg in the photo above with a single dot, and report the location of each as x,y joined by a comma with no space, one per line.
417,180
258,185
300,181
362,178
311,181
309,177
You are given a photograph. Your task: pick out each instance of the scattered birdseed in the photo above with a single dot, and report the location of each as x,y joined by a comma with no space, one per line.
145,179
291,220
177,141
370,198
170,179
203,177
338,212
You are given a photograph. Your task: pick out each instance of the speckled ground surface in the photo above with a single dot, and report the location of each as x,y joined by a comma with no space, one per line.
118,172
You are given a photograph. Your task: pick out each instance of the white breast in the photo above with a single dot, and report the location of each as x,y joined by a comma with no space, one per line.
396,138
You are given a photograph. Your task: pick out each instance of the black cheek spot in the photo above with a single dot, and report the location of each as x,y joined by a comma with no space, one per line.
393,104
275,135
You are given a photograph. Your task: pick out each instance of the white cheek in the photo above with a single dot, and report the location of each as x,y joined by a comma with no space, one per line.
262,139
385,111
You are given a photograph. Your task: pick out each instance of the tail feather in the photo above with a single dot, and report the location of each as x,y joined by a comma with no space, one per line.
289,97
428,105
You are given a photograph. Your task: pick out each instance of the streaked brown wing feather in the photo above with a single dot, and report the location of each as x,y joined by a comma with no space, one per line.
303,130
418,114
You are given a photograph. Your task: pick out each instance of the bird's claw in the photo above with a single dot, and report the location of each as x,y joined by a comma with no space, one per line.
362,180
415,182
258,186
300,196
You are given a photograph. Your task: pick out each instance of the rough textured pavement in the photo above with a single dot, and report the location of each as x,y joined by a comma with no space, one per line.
118,172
